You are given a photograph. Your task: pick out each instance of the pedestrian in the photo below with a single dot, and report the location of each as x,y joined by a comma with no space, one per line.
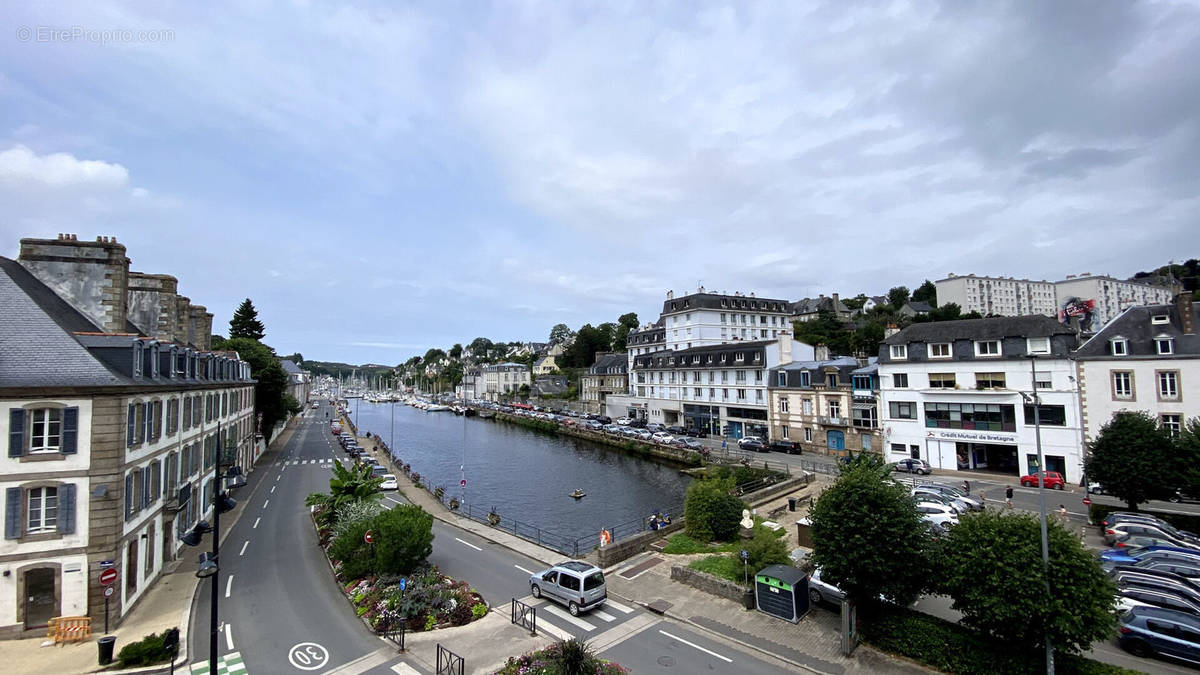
1062,513
1008,492
966,487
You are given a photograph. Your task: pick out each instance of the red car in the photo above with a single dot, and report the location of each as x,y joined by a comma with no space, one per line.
1053,479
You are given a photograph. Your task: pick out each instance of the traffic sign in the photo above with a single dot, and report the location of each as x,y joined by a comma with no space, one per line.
1087,501
108,576
105,564
108,591
404,583
745,554
368,538
463,482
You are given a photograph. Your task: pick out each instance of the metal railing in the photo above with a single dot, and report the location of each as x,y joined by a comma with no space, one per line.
396,635
524,616
448,663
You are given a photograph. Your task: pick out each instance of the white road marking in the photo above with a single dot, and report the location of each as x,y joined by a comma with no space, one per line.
601,614
613,604
690,644
554,631
575,621
467,544
255,526
247,543
265,503
228,635
272,489
523,570
279,476
228,589
403,669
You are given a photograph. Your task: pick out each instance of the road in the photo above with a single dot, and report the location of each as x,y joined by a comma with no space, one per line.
280,610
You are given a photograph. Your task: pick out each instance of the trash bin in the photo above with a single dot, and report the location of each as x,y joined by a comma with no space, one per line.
106,649
791,503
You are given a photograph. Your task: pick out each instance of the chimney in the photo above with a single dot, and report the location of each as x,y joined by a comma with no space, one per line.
151,304
1187,313
183,326
785,347
835,301
821,352
92,277
891,330
670,295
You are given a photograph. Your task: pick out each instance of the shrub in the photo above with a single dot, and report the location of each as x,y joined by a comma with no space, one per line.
727,566
478,610
403,539
147,651
353,512
710,511
354,553
766,548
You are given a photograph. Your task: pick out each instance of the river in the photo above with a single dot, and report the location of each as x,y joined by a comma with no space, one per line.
524,474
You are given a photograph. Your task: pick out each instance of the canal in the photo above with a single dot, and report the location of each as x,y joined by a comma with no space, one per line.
524,474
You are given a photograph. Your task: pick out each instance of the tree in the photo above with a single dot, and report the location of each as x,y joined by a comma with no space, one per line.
856,303
480,347
1187,456
295,358
245,323
897,296
456,351
1133,458
625,324
348,484
272,384
992,566
927,292
560,333
710,510
403,539
868,536
433,356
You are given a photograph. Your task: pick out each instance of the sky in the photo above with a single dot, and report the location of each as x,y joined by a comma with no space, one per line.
384,178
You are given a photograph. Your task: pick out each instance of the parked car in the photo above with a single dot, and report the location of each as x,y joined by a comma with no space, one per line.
1150,631
1133,595
942,515
951,491
696,432
1051,479
752,443
638,423
1150,552
578,585
820,591
389,482
662,437
623,421
1095,489
1137,575
911,465
1136,516
1138,541
788,447
1144,529
691,443
653,427
920,495
643,434
1184,568
676,430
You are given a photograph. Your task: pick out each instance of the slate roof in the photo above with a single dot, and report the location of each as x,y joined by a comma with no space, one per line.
993,328
836,362
688,303
608,361
920,306
37,348
1134,325
290,368
814,305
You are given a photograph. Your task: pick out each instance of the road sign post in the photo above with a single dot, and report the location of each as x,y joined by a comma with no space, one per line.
368,537
745,566
107,578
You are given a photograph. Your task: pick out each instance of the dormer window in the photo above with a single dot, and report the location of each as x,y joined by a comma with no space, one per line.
987,348
757,357
154,361
722,358
781,378
1164,345
940,350
137,358
1159,319
1038,345
805,379
740,357
1119,346
898,352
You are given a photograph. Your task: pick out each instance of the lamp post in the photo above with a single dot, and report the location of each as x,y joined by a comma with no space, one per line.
1041,474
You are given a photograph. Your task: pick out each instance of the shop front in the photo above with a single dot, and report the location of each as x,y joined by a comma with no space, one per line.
706,418
963,450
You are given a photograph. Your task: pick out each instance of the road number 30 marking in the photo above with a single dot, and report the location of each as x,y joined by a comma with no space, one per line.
308,656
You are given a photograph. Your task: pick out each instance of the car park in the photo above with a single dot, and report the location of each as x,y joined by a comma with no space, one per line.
1150,631
913,465
1165,532
1050,479
1156,552
389,482
941,515
578,585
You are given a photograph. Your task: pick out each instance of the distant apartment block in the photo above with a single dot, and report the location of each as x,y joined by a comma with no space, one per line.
1001,296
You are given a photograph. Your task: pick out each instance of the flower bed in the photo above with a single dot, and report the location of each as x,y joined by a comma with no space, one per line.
431,600
568,656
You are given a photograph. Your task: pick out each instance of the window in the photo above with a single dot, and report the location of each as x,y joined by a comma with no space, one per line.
898,352
783,404
783,432
1171,423
1168,384
835,409
1122,384
1049,415
1118,347
1038,345
1041,380
989,380
1160,319
45,431
741,394
941,381
42,511
781,378
902,410
807,435
804,378
807,406
939,350
987,348
831,380
900,380
976,416
1164,345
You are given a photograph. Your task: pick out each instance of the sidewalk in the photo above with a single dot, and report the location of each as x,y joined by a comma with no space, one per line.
167,604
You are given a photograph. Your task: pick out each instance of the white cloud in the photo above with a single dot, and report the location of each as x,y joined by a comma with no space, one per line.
20,165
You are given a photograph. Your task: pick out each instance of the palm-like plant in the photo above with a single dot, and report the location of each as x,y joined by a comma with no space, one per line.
347,485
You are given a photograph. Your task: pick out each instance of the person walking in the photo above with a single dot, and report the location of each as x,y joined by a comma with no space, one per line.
1008,492
1062,514
966,487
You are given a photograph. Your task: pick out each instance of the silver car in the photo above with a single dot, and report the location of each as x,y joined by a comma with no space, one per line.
819,591
578,585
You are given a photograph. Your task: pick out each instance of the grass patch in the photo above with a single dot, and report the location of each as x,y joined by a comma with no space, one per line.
681,543
724,566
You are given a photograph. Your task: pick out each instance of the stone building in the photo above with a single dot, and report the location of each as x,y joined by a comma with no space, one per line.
826,405
111,403
607,376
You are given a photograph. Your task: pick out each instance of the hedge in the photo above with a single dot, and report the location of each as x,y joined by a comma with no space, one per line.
1190,523
952,648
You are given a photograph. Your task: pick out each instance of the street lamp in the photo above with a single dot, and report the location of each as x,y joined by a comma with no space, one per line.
209,562
1041,474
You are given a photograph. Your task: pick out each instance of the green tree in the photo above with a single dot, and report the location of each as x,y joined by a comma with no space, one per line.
434,355
1133,458
270,392
868,537
897,296
456,351
625,324
295,358
560,333
480,347
710,510
856,302
1187,457
245,323
992,566
926,292
348,484
403,539
766,548
350,549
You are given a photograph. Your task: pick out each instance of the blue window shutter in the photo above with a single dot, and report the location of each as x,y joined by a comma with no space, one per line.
147,420
145,487
66,508
129,430
16,432
128,495
70,431
12,513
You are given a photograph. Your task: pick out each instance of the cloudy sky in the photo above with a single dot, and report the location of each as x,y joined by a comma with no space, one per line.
380,180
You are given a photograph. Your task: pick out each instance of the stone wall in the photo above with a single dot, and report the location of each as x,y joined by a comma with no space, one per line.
708,583
628,547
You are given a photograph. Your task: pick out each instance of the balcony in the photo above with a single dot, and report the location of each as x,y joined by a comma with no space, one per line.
833,421
179,500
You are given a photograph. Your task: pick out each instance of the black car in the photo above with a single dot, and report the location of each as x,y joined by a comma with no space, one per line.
638,423
753,444
695,432
790,447
676,430
604,419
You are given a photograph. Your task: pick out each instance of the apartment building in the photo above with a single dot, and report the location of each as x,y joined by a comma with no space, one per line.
504,380
999,296
1096,300
609,375
826,405
115,409
1147,359
960,394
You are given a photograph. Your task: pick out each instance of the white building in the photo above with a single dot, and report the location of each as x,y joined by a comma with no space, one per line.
1096,300
471,387
1001,296
957,394
503,380
1147,359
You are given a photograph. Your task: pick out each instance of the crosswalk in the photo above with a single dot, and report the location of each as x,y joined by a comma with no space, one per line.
230,664
554,620
323,462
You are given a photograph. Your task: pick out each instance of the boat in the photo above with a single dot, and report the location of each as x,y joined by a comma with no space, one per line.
578,494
